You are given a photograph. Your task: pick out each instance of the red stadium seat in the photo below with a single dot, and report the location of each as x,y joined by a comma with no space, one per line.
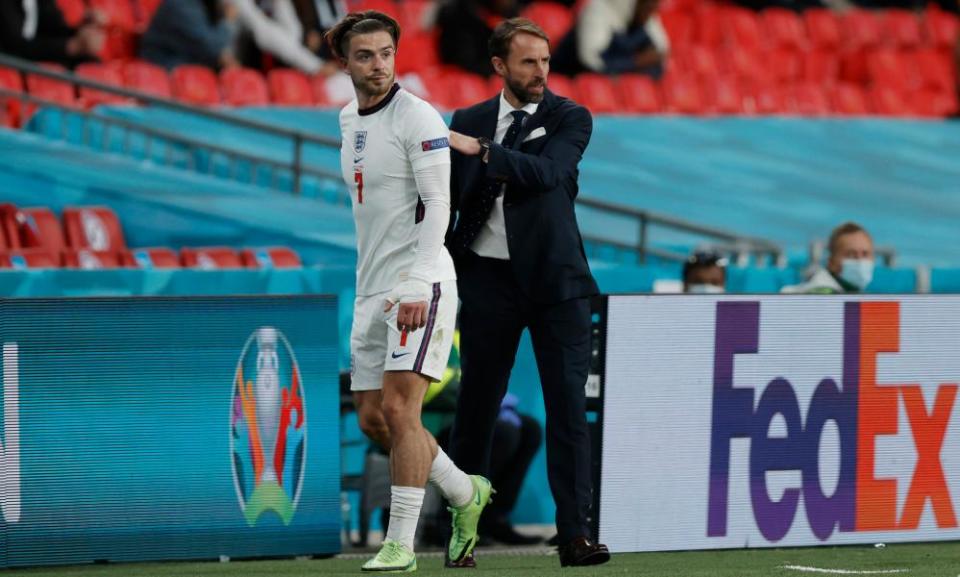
146,77
243,87
10,108
901,28
289,87
462,89
888,101
597,93
119,13
724,95
556,20
849,100
941,28
932,103
320,94
195,85
210,258
415,15
768,100
158,257
73,11
682,95
809,100
93,227
563,86
743,29
105,74
680,27
935,70
86,259
143,11
823,28
417,53
40,229
821,67
854,66
386,6
701,61
9,229
639,94
747,67
29,258
709,30
785,29
270,257
862,30
891,69
786,66
50,89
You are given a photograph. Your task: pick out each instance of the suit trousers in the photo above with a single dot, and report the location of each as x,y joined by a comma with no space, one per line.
493,316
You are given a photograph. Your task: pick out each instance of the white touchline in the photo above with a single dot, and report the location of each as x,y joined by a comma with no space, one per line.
844,571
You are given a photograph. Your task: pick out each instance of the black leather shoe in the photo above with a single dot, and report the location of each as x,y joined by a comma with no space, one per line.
582,552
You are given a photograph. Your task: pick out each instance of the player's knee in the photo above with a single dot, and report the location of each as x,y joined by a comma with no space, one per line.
398,414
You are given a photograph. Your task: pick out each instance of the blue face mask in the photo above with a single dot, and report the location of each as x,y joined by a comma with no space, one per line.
858,272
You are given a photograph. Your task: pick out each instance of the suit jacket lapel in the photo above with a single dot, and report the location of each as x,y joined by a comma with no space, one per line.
538,118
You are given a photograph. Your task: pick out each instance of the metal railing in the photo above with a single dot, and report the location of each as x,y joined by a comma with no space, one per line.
297,137
739,247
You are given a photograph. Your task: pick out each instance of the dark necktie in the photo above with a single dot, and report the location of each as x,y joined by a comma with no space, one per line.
473,219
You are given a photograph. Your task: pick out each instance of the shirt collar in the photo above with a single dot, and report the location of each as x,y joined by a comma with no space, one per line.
506,108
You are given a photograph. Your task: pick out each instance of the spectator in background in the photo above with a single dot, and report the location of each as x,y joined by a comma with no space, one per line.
36,30
705,273
615,37
318,16
465,27
849,265
191,32
273,27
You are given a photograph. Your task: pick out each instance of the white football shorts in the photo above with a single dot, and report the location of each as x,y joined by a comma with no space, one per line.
377,345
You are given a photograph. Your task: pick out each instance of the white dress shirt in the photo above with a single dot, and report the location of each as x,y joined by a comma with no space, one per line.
492,240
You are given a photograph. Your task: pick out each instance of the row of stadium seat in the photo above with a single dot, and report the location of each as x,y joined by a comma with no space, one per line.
91,238
914,84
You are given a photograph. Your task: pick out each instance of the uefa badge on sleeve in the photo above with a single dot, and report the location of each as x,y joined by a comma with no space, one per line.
268,428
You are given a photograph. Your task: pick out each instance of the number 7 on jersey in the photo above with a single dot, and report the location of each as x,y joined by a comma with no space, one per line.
358,179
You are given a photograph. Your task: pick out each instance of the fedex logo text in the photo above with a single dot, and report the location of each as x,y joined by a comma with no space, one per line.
861,410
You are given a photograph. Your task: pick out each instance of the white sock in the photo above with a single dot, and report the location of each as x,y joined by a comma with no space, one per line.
405,505
454,484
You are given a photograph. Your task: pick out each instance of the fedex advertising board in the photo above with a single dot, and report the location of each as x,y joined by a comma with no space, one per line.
779,421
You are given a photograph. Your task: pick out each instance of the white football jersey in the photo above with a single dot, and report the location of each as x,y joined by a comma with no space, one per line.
380,148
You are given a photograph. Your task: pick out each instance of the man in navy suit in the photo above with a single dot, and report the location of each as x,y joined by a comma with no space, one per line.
520,264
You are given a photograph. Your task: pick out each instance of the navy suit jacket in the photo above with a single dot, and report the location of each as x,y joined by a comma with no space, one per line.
546,251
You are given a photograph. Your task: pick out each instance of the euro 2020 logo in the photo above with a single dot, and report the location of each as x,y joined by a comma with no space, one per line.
268,427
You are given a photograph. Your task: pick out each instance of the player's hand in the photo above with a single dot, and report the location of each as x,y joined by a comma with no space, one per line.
464,144
413,296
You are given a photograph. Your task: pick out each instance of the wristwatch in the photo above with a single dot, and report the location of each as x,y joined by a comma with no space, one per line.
484,148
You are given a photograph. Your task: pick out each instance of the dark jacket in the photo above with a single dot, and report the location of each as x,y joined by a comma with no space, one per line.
185,32
50,42
546,250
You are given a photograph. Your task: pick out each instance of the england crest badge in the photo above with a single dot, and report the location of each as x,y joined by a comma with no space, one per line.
359,141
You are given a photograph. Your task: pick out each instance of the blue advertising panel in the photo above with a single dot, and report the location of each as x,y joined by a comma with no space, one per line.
168,428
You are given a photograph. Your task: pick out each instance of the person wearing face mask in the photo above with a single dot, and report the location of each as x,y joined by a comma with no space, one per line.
704,273
849,266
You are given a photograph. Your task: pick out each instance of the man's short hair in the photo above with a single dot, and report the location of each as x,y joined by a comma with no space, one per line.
844,229
702,259
355,23
499,44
